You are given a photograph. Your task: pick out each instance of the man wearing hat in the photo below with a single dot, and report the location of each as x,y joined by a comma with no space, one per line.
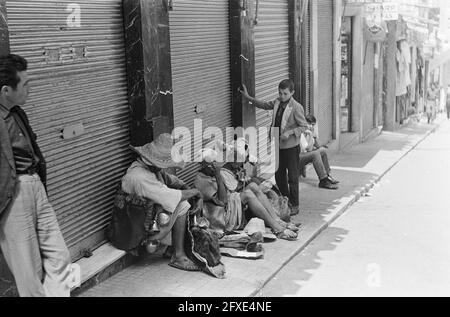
148,179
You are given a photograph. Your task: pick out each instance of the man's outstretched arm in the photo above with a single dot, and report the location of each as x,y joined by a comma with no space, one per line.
257,103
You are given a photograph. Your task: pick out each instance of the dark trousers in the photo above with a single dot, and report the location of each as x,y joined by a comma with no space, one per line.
287,176
319,158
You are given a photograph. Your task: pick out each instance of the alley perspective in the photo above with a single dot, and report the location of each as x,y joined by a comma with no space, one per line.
224,148
392,242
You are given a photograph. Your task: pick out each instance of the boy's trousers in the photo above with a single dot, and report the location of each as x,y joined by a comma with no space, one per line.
287,175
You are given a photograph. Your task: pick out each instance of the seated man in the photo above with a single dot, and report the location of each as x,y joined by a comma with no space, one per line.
235,190
146,178
317,155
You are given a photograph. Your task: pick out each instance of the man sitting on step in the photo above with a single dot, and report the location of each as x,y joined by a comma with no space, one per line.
148,179
316,154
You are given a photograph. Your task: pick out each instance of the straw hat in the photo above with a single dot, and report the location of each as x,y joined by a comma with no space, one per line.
159,153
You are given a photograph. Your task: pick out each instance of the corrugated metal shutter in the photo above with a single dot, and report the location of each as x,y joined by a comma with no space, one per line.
271,54
325,69
306,60
78,76
200,49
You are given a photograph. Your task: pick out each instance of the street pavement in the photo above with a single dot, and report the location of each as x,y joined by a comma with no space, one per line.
359,169
395,241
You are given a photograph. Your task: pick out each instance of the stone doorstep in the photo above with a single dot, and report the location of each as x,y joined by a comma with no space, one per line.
104,259
372,134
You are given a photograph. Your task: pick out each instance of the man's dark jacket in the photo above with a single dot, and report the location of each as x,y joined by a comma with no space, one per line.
8,177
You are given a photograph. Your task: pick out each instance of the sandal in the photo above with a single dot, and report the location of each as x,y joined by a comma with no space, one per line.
185,265
292,227
289,225
286,235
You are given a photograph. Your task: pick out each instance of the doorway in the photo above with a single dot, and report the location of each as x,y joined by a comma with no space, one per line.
346,75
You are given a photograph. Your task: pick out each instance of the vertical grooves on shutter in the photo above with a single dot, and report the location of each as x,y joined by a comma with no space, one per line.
271,54
199,39
325,68
306,52
84,172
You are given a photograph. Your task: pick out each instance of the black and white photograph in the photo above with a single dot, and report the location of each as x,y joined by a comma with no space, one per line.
225,155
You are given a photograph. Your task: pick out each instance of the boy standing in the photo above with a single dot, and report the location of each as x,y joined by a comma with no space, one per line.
289,118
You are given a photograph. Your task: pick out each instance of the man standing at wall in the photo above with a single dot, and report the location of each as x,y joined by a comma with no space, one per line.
30,238
289,118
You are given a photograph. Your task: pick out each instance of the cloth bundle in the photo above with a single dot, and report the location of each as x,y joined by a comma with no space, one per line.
241,245
202,244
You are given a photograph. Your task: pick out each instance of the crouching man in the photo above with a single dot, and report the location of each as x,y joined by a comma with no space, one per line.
147,179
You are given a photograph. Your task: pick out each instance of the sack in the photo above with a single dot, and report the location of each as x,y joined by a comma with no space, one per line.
303,143
132,220
280,204
285,209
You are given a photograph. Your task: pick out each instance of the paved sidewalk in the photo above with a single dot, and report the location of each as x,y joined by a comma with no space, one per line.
358,169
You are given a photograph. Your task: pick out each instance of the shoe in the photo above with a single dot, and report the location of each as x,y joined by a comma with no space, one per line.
326,184
332,180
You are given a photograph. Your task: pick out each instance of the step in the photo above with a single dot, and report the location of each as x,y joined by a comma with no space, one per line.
104,263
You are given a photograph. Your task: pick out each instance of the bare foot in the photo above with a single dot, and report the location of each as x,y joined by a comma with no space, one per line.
183,263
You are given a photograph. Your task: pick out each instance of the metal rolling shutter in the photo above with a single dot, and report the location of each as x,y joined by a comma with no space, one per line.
306,52
271,54
325,70
199,39
78,76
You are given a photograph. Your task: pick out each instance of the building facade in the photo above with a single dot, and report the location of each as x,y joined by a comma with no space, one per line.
110,73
